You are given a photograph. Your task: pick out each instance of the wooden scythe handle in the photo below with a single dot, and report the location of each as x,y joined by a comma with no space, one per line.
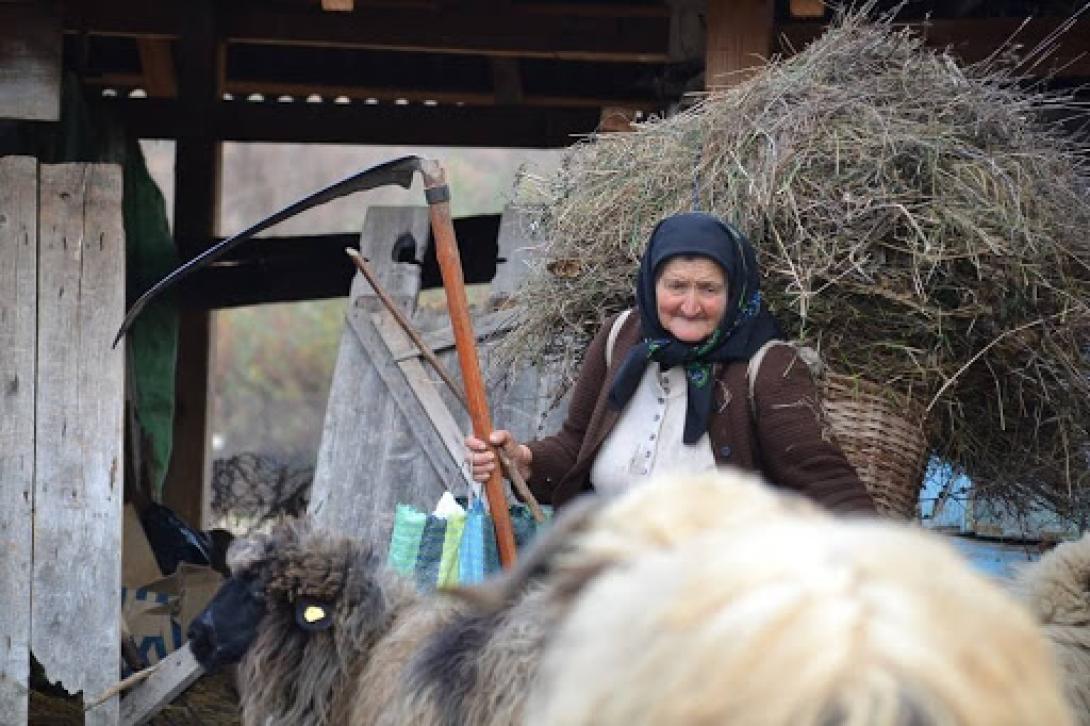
450,266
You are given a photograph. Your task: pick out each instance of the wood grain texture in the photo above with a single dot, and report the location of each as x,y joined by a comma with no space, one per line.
18,336
174,674
368,459
75,630
30,61
739,40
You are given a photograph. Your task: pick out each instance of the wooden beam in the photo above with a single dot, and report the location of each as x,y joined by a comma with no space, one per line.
739,39
18,346
507,81
974,39
807,8
78,435
196,197
196,160
616,118
188,475
241,88
175,673
274,270
514,32
157,64
503,127
30,61
338,6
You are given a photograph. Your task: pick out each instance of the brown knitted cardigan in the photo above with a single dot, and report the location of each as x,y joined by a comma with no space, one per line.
782,439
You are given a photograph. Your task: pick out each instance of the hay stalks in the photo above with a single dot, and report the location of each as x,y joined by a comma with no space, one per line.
923,223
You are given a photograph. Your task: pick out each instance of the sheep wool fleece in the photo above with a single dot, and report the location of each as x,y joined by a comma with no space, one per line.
784,438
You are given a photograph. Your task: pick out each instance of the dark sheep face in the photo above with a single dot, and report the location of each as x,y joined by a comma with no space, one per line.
226,628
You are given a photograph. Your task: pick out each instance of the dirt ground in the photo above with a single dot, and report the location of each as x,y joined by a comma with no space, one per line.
211,701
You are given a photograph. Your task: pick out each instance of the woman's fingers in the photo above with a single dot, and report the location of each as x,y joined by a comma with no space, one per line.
481,458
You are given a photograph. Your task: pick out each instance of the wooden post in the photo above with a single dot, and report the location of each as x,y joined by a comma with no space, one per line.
739,39
450,266
196,199
18,343
75,614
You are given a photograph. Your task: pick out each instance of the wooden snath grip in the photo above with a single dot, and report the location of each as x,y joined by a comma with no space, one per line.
450,266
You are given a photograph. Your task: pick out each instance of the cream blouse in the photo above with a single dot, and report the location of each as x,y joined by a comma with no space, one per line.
647,438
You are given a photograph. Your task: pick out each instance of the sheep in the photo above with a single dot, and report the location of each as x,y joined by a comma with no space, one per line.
1056,589
797,620
328,635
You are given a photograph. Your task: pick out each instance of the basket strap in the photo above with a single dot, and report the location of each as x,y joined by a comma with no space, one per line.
806,354
613,332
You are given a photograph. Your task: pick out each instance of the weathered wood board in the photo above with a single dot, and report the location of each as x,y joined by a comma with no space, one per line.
175,673
30,61
394,432
78,492
368,459
18,310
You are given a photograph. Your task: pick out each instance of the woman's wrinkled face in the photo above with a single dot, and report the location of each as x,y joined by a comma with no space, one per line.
691,295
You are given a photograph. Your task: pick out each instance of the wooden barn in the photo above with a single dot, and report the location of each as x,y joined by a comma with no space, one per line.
81,80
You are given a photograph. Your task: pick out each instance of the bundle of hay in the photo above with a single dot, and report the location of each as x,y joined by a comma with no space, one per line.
922,223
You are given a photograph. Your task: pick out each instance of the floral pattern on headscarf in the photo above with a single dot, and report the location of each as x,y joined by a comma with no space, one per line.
745,327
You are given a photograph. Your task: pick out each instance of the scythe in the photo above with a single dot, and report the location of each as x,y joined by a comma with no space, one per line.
400,172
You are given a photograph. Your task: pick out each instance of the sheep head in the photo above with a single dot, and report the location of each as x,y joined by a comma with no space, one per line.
298,581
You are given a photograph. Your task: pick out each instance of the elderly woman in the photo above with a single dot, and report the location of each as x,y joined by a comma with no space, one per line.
667,388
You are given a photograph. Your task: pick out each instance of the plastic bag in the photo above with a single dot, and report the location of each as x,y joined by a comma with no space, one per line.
459,549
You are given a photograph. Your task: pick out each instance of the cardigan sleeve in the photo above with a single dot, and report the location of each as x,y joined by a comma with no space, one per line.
797,450
554,456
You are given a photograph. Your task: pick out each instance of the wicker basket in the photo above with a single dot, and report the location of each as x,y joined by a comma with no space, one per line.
882,434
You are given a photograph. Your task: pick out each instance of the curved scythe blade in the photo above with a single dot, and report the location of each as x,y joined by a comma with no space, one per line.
399,171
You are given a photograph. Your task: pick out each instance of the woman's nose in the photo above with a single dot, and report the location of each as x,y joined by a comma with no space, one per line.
690,305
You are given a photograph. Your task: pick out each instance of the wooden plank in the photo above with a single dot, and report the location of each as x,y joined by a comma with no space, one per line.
175,673
974,39
424,413
431,411
512,32
30,61
442,339
188,482
238,120
507,81
75,631
197,157
338,6
18,333
369,460
807,8
157,64
739,39
301,89
196,202
615,118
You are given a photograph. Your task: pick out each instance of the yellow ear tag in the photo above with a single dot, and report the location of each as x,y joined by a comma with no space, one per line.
313,613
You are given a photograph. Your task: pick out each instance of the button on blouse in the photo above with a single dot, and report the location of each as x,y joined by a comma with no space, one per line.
647,438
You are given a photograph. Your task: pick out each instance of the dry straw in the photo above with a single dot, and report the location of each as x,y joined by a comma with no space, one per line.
924,223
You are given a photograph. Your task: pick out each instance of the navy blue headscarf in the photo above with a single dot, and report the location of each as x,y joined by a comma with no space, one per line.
746,325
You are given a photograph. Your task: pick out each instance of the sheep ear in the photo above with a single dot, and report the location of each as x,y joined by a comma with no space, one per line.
538,560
